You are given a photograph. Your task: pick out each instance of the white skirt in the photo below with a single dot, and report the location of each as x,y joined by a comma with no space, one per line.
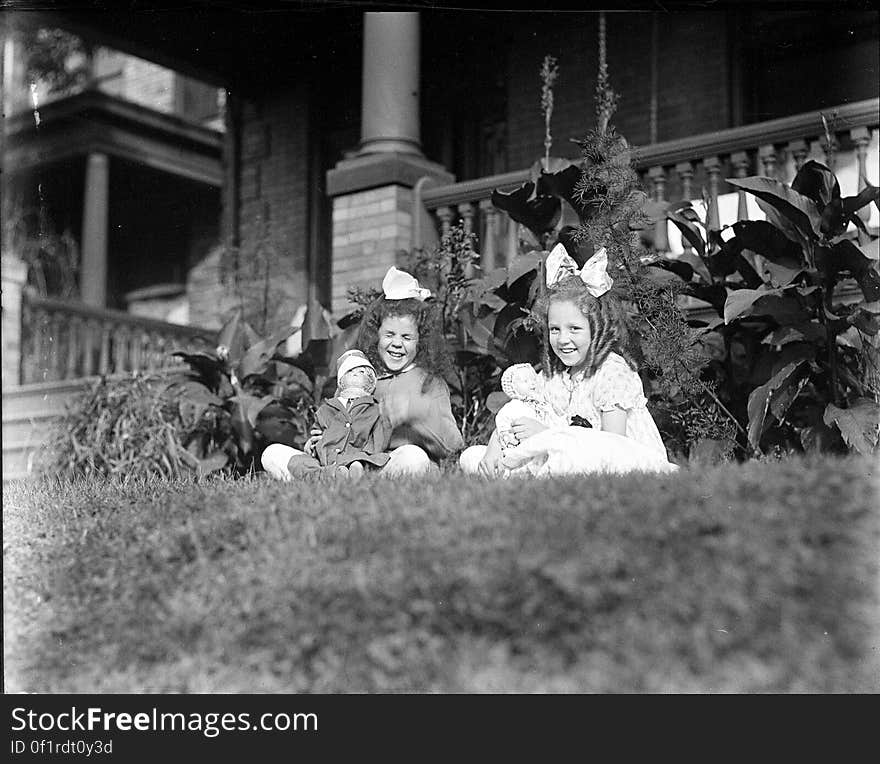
583,450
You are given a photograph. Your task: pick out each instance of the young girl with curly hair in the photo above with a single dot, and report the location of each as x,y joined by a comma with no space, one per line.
588,376
400,335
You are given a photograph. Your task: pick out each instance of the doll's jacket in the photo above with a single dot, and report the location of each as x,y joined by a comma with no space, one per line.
356,432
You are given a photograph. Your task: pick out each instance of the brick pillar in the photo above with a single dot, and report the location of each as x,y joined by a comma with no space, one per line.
14,273
372,192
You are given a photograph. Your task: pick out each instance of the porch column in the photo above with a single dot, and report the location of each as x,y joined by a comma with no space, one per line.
93,273
14,272
390,84
372,192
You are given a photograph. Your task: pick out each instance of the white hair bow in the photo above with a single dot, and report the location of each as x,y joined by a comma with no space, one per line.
594,274
400,285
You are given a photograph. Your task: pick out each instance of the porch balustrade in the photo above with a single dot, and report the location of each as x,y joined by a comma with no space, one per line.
693,169
63,340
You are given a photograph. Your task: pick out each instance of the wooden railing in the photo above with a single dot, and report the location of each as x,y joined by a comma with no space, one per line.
682,169
65,340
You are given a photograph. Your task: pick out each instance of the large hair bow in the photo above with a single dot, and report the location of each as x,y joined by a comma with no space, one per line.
594,274
400,285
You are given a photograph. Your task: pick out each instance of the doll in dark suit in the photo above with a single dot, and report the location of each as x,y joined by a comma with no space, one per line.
355,436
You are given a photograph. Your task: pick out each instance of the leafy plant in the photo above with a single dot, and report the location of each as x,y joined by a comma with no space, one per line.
798,365
599,202
236,400
117,427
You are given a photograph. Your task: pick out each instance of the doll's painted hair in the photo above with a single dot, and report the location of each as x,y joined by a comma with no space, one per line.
604,316
431,355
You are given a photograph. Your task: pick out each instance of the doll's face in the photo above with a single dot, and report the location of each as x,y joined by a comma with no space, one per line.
362,377
525,382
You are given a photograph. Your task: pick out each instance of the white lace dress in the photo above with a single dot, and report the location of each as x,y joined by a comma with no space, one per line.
563,449
614,386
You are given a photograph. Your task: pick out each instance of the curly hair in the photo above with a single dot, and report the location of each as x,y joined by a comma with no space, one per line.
431,356
604,315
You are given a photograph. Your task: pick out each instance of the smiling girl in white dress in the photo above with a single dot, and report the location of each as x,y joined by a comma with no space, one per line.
586,374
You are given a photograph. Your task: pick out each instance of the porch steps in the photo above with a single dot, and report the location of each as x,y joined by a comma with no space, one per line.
29,412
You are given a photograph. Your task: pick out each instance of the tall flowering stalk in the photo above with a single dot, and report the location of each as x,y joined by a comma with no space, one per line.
549,73
606,98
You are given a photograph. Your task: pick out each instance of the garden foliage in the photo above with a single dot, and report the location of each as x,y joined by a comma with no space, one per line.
219,414
795,361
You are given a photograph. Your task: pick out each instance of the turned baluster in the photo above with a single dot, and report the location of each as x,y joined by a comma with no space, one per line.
767,155
155,356
713,170
89,330
74,327
798,151
120,349
53,359
444,215
685,171
466,210
861,137
489,215
35,319
104,360
137,350
661,236
740,162
512,238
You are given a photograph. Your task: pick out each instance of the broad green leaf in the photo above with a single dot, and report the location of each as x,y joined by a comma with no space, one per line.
812,331
778,275
768,241
681,269
847,256
775,218
496,400
559,180
493,279
243,429
871,250
537,213
523,264
251,406
815,181
865,321
229,332
774,397
689,230
260,353
797,208
867,195
859,424
493,301
741,300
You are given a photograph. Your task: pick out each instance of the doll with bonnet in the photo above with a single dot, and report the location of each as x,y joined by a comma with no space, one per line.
354,435
521,384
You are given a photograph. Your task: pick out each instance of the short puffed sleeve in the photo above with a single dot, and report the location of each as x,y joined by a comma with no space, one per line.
616,385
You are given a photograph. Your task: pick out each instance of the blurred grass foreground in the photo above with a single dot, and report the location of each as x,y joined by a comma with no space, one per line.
761,577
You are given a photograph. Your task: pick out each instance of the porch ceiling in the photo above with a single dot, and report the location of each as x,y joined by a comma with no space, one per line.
222,42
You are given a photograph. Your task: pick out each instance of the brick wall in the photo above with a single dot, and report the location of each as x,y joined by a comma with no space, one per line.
693,90
273,213
369,228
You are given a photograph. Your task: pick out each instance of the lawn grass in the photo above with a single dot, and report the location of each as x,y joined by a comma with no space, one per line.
760,577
